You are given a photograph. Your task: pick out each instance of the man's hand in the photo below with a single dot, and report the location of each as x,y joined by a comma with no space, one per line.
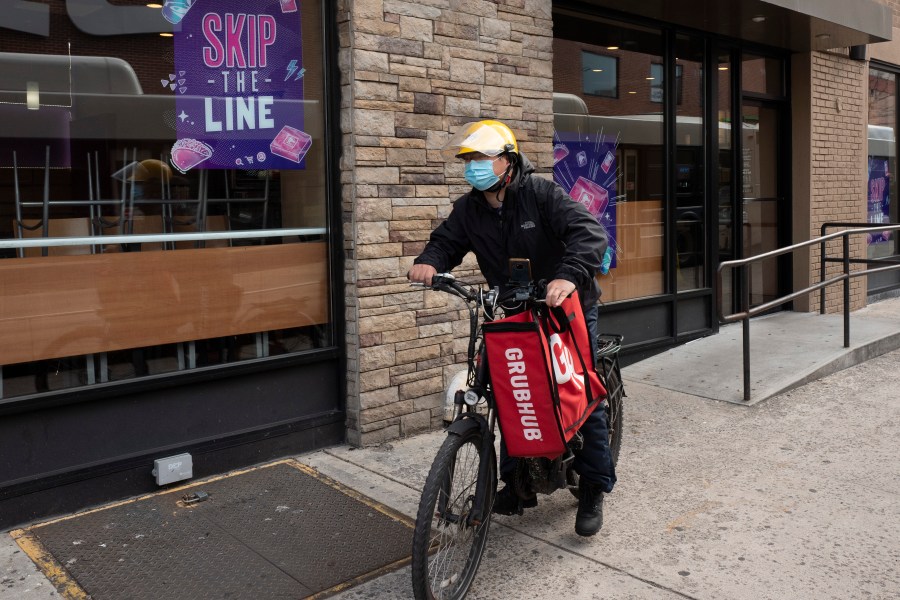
557,290
422,273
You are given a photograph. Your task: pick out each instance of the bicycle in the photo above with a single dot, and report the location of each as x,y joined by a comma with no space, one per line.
454,512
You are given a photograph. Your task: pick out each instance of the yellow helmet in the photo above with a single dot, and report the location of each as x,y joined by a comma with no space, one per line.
145,170
491,138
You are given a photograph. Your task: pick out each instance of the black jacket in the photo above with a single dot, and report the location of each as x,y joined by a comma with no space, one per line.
538,221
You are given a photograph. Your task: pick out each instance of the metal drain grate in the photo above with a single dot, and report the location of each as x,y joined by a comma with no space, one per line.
279,531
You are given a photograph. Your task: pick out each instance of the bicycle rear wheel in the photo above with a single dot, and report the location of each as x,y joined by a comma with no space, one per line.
608,369
615,406
447,549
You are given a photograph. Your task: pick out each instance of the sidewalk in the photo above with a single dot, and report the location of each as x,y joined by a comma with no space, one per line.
797,497
794,497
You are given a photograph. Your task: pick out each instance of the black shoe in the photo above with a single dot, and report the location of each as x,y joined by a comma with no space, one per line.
589,519
507,502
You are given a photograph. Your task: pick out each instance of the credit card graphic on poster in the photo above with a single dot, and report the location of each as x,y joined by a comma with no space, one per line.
585,165
238,84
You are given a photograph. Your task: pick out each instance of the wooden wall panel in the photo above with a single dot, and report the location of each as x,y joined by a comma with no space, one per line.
57,306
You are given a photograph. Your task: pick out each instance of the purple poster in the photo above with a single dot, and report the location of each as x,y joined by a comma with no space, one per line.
238,81
585,166
879,197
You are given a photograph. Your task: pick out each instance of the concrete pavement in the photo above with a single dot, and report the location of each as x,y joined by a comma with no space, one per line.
795,497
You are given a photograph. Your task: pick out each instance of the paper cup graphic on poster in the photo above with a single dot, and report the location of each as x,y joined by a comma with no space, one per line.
291,143
559,153
187,153
592,195
607,162
173,11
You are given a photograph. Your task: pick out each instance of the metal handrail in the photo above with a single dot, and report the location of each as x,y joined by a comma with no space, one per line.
161,237
744,264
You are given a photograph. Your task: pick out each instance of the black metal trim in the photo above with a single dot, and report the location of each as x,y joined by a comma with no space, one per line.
142,459
101,391
334,147
211,459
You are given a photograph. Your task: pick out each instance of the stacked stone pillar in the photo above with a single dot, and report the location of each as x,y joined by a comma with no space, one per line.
411,73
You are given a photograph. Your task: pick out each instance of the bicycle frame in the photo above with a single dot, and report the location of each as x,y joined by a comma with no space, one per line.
465,414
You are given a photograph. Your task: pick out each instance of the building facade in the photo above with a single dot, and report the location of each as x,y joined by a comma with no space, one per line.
297,147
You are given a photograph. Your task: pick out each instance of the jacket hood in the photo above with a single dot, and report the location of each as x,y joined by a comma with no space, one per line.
525,166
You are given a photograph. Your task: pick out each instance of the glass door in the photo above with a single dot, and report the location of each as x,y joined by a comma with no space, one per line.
761,195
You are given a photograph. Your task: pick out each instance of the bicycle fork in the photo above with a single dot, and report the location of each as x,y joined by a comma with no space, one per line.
460,426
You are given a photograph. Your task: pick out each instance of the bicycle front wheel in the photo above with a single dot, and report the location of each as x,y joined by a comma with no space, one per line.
447,548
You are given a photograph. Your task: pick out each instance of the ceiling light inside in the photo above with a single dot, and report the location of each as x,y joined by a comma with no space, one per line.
154,5
597,70
32,95
758,19
166,34
612,47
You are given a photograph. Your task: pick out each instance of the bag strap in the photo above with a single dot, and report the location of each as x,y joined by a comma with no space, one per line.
559,322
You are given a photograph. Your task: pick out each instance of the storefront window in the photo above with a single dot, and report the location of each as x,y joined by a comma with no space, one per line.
193,117
608,152
726,235
881,205
690,180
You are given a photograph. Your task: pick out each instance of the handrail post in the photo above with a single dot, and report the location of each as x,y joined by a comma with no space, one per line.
846,240
745,323
822,275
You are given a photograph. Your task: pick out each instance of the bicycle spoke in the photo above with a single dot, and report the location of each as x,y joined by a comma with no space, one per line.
455,546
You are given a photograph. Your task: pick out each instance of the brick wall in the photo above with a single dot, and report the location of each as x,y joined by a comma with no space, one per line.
411,73
839,106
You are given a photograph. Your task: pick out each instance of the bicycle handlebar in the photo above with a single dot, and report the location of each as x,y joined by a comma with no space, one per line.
445,282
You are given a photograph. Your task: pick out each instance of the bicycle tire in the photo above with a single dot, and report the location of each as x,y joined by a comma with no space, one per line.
615,407
446,550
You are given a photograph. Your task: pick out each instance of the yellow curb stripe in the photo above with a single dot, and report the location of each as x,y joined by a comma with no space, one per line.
361,579
67,587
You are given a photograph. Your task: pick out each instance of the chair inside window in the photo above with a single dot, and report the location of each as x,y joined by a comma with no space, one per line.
56,228
210,223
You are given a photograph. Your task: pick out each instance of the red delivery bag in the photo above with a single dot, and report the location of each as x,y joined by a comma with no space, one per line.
543,377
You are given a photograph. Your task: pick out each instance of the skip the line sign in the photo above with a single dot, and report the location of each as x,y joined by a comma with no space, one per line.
238,83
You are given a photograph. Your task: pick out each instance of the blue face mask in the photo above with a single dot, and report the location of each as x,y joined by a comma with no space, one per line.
480,174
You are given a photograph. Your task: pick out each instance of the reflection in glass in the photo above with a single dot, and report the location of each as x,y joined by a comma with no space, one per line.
599,74
760,145
723,181
92,145
881,193
608,152
690,180
762,75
